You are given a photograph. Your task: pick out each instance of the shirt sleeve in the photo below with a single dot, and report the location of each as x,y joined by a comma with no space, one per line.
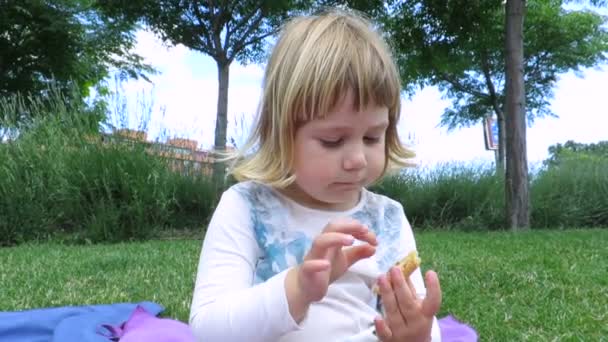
408,244
226,306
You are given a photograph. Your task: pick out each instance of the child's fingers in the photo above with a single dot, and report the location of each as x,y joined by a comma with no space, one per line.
413,291
357,253
382,329
369,237
354,228
325,241
311,280
389,301
412,288
406,300
314,266
432,301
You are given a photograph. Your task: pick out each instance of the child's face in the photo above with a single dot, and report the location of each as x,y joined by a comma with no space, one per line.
338,155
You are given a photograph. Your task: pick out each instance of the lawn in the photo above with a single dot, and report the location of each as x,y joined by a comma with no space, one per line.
537,285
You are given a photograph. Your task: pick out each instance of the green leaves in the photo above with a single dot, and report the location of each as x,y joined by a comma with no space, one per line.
68,43
459,47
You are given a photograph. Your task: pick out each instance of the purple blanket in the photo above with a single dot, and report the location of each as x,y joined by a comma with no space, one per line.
129,322
66,324
454,331
143,326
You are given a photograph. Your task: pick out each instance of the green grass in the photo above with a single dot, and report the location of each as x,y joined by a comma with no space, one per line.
536,285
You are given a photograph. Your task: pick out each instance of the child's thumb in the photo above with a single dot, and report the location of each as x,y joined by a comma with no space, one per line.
432,301
354,254
312,284
310,267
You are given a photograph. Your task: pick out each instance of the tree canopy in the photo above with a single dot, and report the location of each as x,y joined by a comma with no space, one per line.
459,47
65,42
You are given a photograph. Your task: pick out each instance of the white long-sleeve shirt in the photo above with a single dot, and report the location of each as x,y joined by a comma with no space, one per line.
256,235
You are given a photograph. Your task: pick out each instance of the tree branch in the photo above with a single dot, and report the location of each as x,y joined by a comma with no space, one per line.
207,41
460,87
244,20
488,77
535,69
241,43
216,28
254,40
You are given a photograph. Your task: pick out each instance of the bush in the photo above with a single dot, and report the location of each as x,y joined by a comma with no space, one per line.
58,179
573,193
451,195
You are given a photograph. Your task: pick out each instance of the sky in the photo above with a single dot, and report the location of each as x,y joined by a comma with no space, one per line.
181,102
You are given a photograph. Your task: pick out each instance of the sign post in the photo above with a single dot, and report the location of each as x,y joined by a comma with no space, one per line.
491,136
490,133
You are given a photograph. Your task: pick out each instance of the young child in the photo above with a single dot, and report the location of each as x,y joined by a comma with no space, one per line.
293,251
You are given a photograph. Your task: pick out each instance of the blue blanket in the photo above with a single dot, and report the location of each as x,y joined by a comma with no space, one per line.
67,324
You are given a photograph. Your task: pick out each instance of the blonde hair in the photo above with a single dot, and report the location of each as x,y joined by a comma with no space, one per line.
315,61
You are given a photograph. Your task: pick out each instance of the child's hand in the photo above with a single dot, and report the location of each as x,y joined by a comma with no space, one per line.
326,261
407,317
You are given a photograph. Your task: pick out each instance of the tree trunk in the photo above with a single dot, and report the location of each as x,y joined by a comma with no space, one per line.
516,181
221,123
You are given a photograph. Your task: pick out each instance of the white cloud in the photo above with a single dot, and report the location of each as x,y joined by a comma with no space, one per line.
582,107
251,72
433,144
157,53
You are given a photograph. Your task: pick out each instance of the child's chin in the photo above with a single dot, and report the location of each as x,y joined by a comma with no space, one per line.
344,198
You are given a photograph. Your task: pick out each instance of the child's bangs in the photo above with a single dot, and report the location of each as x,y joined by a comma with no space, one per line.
352,62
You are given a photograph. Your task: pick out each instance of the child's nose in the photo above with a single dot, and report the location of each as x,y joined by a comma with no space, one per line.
355,159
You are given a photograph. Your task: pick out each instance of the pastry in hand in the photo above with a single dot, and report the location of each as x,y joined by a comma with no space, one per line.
407,265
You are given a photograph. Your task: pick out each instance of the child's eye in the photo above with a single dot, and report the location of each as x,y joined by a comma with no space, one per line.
331,143
371,140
